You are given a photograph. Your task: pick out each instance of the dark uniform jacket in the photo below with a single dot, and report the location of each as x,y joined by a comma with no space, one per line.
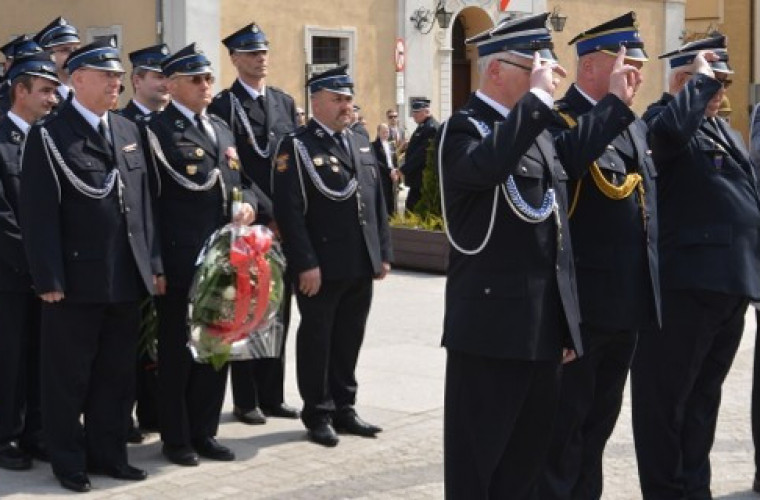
516,298
615,250
709,210
5,97
416,152
270,127
345,239
95,251
14,271
187,218
132,113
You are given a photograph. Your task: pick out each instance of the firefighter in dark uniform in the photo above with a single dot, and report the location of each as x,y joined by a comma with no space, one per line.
709,215
197,167
33,80
613,223
148,83
512,313
60,39
260,116
22,45
416,155
87,229
150,97
329,207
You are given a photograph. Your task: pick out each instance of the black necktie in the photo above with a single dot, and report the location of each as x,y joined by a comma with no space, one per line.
339,139
103,131
202,127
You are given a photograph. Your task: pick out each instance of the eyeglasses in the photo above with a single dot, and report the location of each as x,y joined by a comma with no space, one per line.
198,79
526,68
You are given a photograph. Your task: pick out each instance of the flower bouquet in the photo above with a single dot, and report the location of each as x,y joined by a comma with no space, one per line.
235,295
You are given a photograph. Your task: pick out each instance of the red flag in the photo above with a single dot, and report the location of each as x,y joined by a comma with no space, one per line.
503,5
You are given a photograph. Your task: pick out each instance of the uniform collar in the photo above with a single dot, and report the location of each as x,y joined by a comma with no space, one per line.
252,91
92,118
585,95
187,112
498,107
143,109
19,122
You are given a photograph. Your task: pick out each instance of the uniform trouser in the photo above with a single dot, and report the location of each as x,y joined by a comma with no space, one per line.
88,367
146,393
676,381
327,346
590,401
20,417
190,394
756,398
259,382
498,417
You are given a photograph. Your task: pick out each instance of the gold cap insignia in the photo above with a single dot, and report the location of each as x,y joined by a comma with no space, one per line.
318,161
199,152
333,160
335,168
191,169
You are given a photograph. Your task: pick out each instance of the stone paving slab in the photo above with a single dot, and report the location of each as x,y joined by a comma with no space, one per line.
400,377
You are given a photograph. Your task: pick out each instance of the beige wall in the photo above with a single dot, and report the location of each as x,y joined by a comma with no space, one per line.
375,24
136,17
585,14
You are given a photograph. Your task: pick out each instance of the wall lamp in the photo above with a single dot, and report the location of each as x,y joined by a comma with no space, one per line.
423,19
557,20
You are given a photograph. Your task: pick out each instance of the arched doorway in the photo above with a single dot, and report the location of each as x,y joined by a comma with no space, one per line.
464,73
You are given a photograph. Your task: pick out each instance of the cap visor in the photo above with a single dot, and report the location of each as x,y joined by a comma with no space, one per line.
632,54
545,55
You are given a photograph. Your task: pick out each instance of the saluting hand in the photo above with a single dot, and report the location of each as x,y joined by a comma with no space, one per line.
545,75
624,79
701,63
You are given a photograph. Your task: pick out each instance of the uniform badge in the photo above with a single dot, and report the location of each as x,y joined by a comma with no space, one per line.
199,152
180,124
335,168
130,147
281,162
15,137
319,133
364,150
333,160
318,161
191,169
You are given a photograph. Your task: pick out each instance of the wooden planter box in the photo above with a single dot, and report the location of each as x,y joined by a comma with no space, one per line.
419,249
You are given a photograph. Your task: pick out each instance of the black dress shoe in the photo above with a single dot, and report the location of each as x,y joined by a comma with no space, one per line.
281,410
350,423
210,448
13,458
78,481
250,417
756,485
128,473
123,471
324,434
180,454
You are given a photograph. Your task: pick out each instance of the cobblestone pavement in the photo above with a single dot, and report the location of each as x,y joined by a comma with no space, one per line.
401,388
